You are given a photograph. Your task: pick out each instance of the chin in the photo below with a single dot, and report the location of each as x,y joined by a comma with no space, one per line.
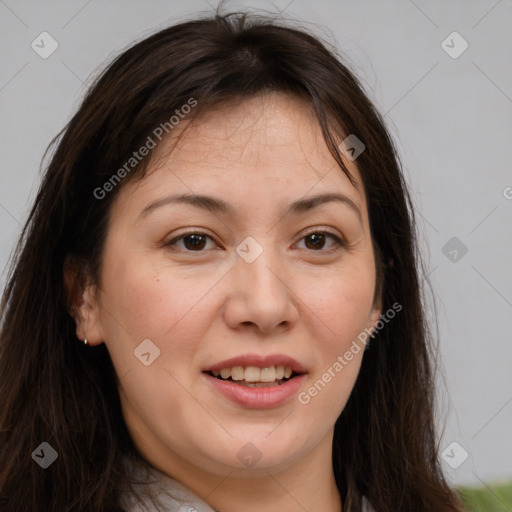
262,449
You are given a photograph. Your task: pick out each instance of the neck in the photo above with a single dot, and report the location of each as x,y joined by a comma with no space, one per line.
307,484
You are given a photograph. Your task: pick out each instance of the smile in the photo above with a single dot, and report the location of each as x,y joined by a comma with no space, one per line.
254,381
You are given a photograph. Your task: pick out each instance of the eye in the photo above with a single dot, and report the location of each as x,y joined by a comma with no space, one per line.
193,241
316,241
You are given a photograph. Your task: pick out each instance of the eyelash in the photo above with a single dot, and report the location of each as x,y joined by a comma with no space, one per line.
339,243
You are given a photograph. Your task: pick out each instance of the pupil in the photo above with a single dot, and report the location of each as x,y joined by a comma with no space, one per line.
197,241
318,239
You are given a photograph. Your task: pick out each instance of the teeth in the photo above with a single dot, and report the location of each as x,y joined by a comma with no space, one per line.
237,373
260,384
268,374
253,374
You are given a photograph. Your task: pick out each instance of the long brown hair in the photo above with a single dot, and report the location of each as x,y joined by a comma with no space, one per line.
54,389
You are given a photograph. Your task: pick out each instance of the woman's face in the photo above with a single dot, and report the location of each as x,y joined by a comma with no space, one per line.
258,286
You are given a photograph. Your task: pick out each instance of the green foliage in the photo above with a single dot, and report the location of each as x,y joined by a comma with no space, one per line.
493,498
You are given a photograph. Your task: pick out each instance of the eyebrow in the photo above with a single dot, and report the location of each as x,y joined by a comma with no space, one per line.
216,205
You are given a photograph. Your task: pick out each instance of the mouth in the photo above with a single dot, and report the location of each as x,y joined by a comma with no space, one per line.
255,381
255,377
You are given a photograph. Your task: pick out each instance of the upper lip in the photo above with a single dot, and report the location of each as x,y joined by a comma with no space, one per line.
258,360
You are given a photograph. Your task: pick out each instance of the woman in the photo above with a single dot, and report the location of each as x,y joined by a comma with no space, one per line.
221,229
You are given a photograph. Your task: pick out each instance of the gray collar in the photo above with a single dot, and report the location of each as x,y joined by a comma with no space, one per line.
169,495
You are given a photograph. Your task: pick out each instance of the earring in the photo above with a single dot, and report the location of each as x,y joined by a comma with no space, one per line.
85,341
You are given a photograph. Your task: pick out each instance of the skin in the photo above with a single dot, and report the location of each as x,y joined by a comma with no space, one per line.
199,308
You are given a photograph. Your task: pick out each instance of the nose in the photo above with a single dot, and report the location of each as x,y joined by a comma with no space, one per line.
261,295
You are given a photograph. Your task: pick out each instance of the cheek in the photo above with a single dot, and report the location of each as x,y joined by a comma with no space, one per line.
166,306
342,307
170,306
147,302
340,311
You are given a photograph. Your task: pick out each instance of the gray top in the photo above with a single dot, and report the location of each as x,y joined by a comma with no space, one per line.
171,496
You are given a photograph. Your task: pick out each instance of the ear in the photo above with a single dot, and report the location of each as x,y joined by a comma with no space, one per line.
375,315
82,302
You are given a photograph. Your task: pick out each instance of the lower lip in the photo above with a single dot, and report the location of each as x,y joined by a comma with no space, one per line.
257,398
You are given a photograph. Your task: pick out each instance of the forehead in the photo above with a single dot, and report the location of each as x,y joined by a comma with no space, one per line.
262,125
269,142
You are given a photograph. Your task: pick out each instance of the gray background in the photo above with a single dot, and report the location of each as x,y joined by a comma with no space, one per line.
450,117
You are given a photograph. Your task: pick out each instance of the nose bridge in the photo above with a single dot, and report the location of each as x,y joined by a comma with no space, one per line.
261,284
259,265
